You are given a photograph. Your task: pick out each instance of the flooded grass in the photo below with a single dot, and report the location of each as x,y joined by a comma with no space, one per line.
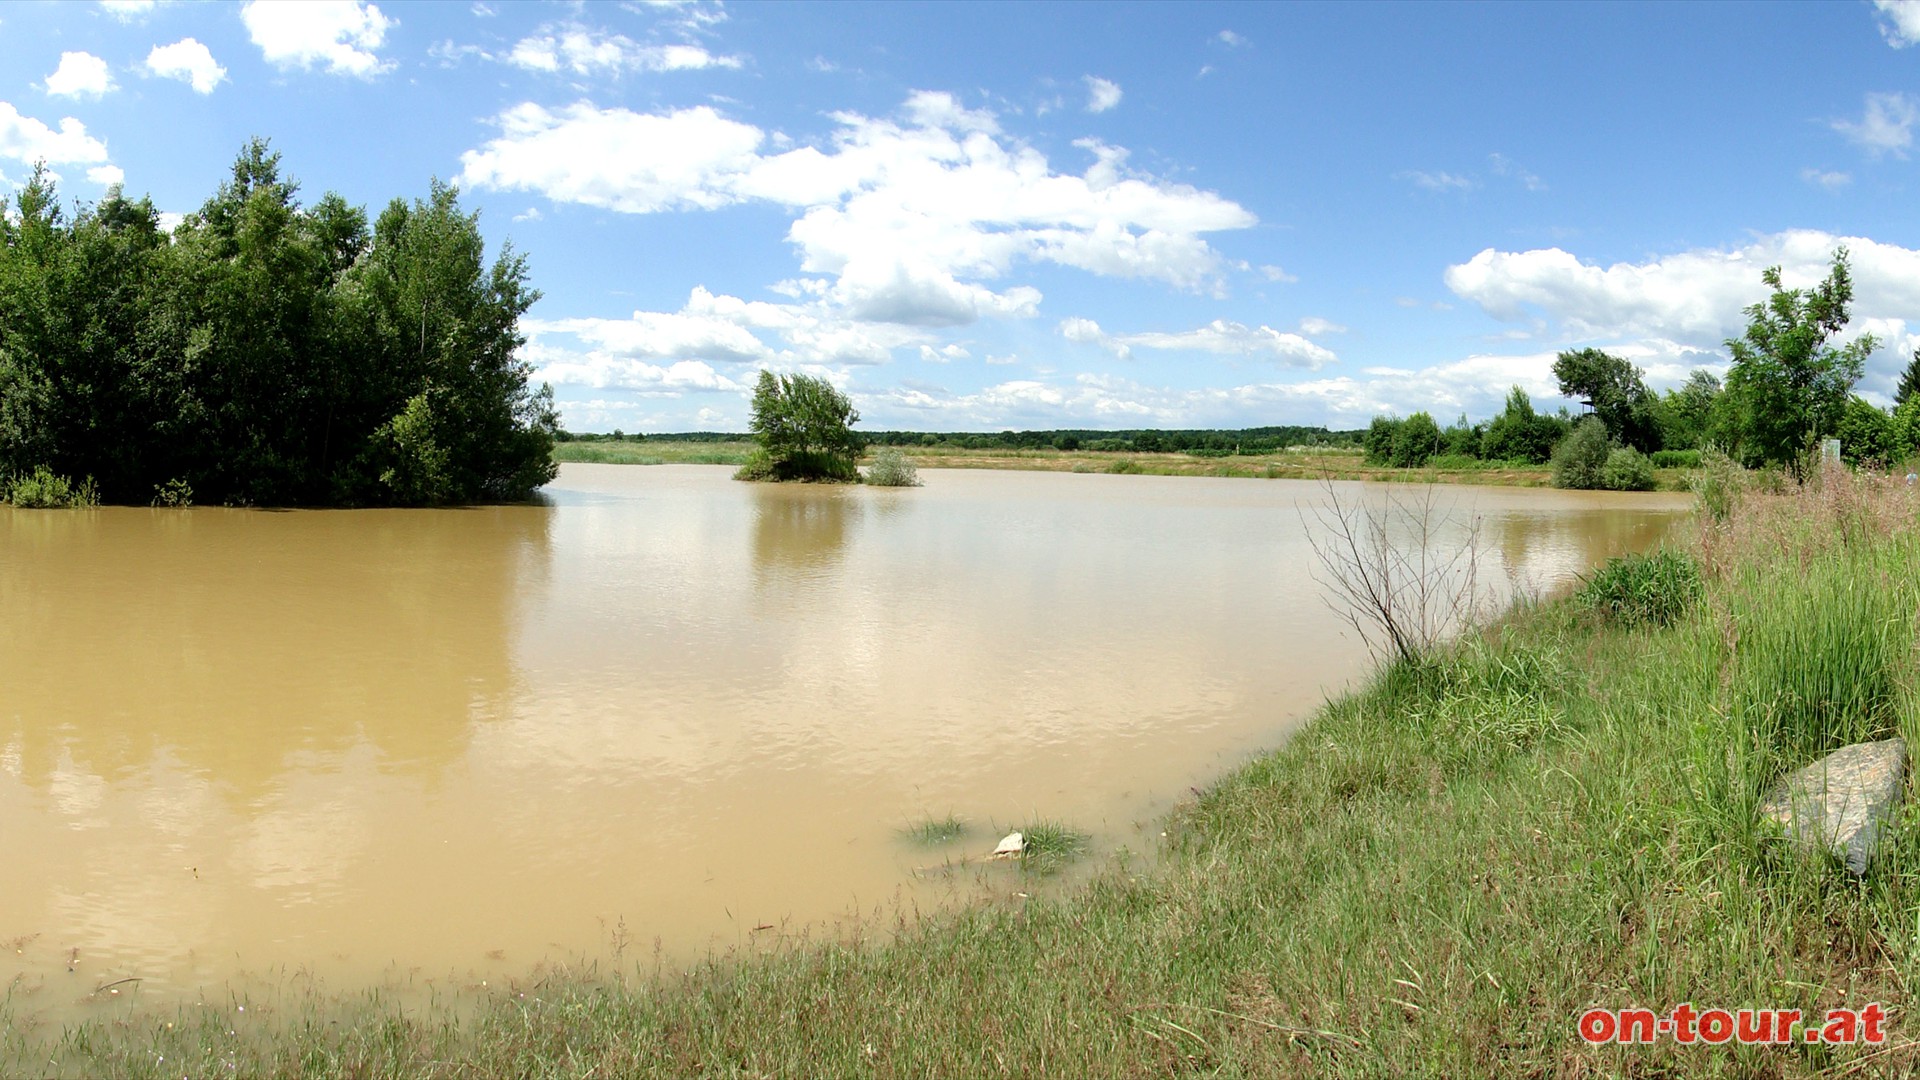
935,832
1051,846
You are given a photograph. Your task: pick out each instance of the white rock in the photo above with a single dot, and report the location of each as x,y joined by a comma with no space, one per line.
1841,801
1010,845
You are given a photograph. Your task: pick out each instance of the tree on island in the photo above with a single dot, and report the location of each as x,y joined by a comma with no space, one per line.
1788,387
804,428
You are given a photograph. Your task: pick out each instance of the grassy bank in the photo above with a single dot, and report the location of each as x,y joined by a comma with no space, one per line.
1290,464
1433,878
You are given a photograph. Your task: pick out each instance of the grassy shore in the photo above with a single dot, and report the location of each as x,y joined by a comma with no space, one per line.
1310,464
1434,877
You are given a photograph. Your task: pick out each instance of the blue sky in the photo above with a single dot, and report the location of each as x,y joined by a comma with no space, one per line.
979,216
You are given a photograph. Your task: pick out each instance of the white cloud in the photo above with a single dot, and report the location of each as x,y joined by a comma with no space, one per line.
128,10
1900,22
188,61
1688,303
1832,181
27,140
1441,181
1886,127
582,51
532,214
1315,325
1230,39
80,74
1102,94
1220,337
908,217
106,175
1503,165
943,355
340,36
1274,273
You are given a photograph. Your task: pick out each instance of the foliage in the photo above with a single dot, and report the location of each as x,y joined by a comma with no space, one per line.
267,352
1644,590
1520,434
1627,469
1462,438
1903,431
1865,432
1686,415
805,426
1415,441
1615,390
1909,380
1788,387
1676,459
758,467
1580,460
1717,485
892,468
173,493
42,489
1378,440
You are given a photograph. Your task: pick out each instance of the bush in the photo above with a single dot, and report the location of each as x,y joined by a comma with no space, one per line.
1581,458
892,468
1640,590
1124,466
1378,441
1717,484
1627,469
1455,461
805,427
42,490
1676,459
1416,441
757,467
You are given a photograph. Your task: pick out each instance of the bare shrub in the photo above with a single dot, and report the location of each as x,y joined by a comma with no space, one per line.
1392,570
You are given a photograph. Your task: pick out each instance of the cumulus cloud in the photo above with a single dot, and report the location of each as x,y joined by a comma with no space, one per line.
1229,39
581,51
1696,297
1886,127
1315,325
80,74
1221,337
1899,21
1102,94
27,140
188,61
106,175
1503,165
338,36
907,218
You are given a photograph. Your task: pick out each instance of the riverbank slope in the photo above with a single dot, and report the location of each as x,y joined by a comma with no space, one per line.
1434,877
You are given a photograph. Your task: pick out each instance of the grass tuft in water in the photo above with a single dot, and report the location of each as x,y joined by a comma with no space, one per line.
1051,846
1644,590
935,831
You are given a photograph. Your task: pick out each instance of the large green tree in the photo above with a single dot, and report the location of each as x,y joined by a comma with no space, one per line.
267,352
805,430
1615,390
1789,385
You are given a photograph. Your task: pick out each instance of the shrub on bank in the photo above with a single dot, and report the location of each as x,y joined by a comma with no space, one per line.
1644,590
1582,456
1627,469
41,489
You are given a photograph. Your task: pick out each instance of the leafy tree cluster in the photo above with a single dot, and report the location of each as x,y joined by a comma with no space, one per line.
804,426
1788,387
266,352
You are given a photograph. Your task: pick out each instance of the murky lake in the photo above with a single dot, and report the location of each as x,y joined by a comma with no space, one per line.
443,746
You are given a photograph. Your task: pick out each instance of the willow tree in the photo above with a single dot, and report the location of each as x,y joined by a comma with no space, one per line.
804,427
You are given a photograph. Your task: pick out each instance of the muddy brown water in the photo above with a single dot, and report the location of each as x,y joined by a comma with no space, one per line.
446,746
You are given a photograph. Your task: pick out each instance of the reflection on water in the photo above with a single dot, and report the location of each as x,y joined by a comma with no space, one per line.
460,741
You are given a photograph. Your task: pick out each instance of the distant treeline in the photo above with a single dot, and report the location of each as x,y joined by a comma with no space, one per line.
1200,441
264,352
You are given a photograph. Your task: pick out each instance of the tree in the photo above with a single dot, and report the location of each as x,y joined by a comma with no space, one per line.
1788,387
1865,432
1909,380
805,430
1581,458
1615,390
1519,433
1416,441
1378,441
1685,415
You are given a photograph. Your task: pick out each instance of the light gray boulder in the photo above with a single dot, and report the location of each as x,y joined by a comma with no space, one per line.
1842,801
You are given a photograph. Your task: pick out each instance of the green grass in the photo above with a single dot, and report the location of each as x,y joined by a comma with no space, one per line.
1644,590
1051,846
1432,878
653,452
934,832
